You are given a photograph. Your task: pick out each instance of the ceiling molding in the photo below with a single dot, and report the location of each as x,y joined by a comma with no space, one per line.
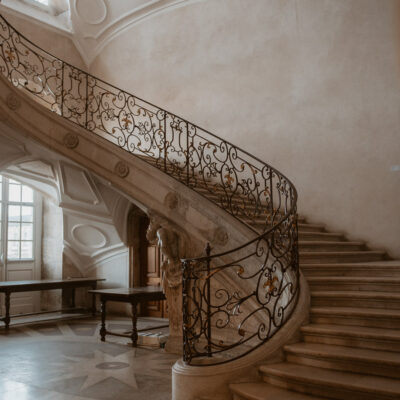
90,39
92,24
40,18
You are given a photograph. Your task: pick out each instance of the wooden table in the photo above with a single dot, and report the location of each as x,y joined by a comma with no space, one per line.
127,295
47,284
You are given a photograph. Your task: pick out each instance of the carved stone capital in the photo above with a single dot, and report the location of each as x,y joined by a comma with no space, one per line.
71,141
121,169
13,102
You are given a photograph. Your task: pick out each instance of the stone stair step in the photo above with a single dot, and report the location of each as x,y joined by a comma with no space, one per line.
333,283
380,268
329,383
321,236
264,391
317,257
342,358
353,336
364,299
371,317
318,245
315,228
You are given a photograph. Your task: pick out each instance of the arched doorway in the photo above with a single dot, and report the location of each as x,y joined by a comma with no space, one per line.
145,260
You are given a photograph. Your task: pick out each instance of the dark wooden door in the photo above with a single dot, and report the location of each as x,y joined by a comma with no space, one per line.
145,261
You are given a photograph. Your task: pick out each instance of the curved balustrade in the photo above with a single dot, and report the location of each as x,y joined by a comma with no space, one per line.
221,320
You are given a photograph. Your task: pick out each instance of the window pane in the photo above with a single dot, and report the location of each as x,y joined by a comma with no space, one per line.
27,194
26,249
13,250
14,213
14,192
27,232
13,231
27,214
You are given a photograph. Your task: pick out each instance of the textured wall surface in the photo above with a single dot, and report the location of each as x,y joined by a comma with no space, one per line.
52,252
310,86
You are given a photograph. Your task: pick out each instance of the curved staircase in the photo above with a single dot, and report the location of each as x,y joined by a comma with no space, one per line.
351,348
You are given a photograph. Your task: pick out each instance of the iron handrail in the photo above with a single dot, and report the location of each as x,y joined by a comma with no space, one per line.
243,185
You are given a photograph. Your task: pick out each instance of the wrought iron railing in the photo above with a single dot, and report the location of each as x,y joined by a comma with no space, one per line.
232,302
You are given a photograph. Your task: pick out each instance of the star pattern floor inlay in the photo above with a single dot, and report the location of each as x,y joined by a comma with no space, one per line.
66,360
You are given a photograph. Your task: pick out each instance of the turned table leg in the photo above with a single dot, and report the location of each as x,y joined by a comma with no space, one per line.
103,320
7,304
134,335
94,301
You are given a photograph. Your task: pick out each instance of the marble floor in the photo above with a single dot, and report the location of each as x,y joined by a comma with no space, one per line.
65,360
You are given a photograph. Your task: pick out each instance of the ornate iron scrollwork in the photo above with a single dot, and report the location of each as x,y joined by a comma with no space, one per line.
227,320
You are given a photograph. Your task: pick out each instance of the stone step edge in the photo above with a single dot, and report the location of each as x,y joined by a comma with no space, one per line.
265,391
355,311
360,332
306,375
354,279
342,353
356,294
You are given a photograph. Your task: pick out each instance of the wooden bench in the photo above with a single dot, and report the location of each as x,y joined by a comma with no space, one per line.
30,286
132,296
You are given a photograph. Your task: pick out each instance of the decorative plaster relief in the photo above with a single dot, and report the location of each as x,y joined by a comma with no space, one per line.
13,102
71,141
171,200
93,12
220,236
38,167
77,184
88,236
121,169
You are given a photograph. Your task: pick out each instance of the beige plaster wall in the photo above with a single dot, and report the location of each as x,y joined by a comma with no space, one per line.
52,250
55,43
310,86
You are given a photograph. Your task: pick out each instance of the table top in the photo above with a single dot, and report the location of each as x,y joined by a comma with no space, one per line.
9,284
129,292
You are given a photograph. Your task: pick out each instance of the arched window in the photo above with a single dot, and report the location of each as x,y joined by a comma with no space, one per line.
20,240
17,220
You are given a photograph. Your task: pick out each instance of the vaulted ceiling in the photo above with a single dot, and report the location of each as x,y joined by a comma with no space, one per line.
91,24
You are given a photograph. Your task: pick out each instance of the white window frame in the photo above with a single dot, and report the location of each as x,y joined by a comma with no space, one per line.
37,227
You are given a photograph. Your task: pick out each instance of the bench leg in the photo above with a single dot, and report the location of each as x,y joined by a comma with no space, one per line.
7,304
134,335
94,286
103,321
